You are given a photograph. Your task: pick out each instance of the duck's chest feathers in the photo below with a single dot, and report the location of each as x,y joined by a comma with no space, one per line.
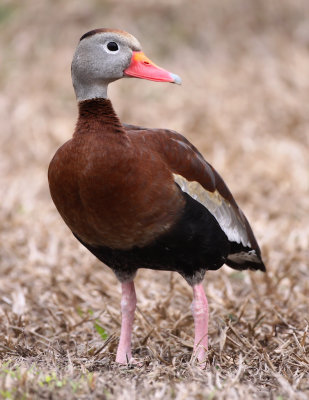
113,193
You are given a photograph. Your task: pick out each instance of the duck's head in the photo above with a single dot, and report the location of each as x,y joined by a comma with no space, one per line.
105,55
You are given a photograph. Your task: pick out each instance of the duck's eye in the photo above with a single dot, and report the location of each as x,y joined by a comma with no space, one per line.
112,46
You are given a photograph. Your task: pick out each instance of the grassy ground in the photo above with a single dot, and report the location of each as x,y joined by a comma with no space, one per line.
244,103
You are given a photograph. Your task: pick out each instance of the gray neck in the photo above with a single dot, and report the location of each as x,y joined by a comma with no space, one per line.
87,92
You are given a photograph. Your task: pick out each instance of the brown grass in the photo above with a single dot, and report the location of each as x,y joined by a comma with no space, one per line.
244,103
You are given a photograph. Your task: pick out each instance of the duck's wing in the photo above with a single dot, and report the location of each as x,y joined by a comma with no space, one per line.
130,127
201,181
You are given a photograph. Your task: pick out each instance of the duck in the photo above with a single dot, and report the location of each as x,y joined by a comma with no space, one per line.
137,197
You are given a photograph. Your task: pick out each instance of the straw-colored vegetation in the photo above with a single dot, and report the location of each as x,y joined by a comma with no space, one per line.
244,103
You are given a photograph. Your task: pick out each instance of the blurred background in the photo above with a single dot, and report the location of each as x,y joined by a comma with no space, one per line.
244,103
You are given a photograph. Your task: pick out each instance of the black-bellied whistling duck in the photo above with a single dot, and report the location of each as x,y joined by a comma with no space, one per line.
143,198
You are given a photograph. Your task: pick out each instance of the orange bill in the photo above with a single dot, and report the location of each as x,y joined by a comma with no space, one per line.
142,67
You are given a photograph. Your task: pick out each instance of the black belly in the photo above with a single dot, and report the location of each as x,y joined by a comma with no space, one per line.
195,243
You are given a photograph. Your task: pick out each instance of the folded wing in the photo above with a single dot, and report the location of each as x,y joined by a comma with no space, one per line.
198,178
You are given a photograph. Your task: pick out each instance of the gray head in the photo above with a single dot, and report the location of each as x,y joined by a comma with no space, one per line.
105,55
98,61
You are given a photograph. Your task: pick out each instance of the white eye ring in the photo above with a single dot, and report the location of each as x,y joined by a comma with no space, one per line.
108,45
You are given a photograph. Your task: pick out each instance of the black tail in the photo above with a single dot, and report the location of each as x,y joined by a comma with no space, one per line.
241,258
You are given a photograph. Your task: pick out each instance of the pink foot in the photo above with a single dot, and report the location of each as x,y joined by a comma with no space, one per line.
200,315
128,305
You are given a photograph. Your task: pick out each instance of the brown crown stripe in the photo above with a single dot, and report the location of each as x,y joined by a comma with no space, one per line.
102,30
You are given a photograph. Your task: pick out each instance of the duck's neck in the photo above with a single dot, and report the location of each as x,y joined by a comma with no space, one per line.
90,90
97,116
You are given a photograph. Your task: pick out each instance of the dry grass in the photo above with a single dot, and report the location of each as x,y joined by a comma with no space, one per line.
244,102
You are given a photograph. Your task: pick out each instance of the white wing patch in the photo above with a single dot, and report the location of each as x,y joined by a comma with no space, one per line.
221,209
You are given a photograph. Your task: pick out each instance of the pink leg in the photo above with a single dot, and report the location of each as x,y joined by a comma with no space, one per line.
200,315
128,305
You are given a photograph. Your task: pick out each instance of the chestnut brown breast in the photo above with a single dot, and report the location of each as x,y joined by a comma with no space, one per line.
110,189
